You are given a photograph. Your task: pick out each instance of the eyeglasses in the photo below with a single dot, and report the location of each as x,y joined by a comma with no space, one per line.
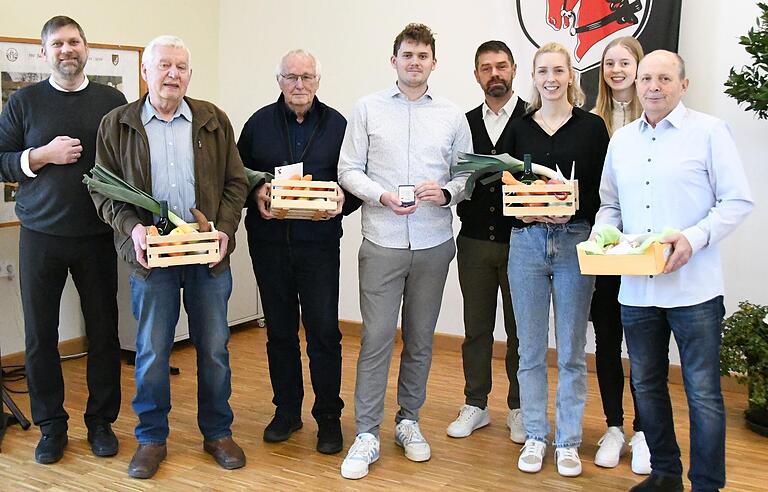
293,78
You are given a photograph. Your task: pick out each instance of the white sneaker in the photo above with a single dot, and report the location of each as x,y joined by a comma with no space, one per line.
568,462
469,419
364,451
408,436
531,456
612,447
516,427
641,455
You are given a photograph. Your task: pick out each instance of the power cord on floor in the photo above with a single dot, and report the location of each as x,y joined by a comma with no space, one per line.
15,373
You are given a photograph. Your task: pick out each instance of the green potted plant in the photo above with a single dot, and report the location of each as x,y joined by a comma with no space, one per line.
750,84
744,355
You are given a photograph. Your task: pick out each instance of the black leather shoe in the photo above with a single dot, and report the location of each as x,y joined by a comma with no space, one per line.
659,483
50,449
281,428
103,441
329,437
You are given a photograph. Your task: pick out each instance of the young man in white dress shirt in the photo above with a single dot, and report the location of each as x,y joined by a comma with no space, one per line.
403,135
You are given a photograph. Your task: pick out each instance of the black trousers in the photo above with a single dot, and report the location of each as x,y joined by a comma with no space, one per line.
606,319
482,267
44,263
301,279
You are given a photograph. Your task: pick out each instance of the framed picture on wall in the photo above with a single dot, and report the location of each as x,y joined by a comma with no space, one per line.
22,64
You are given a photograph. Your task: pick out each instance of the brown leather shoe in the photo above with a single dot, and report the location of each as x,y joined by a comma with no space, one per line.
226,452
146,460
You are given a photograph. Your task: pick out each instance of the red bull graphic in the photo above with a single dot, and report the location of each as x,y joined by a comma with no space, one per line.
584,26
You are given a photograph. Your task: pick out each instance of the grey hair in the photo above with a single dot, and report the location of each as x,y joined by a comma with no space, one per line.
148,56
279,67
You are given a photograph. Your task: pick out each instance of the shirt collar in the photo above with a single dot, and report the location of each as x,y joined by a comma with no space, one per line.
508,108
61,89
292,116
148,112
395,91
675,118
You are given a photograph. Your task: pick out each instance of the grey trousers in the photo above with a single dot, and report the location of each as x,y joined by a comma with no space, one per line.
387,276
482,272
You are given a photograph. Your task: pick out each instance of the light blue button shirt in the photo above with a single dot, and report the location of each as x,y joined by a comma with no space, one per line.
685,173
391,141
172,159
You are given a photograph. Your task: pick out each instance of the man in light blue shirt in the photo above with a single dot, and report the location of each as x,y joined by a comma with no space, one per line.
675,167
403,135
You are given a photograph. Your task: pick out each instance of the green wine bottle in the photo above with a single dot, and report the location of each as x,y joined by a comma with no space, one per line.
164,225
528,176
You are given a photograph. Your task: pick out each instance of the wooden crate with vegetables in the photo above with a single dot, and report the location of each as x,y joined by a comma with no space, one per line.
185,245
540,190
302,198
543,197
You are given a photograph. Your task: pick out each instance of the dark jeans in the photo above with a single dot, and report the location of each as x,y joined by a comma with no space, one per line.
301,279
697,333
482,269
606,320
44,263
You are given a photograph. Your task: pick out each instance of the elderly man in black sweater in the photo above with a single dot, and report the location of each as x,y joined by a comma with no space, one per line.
47,142
297,261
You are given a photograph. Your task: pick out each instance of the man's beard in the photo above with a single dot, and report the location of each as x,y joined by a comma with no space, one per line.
498,87
69,70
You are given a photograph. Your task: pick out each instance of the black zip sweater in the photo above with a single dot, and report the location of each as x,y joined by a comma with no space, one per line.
264,144
56,202
482,217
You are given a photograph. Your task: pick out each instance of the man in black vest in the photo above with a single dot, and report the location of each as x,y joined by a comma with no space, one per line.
296,262
483,248
47,142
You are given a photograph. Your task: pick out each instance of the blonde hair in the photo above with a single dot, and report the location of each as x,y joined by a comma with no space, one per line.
604,104
575,95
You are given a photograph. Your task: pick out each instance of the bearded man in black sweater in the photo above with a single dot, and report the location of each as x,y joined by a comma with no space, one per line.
47,142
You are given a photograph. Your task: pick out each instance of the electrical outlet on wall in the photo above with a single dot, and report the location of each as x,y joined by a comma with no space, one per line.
7,270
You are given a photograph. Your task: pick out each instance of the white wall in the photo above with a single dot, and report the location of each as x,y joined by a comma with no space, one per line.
354,40
236,44
129,23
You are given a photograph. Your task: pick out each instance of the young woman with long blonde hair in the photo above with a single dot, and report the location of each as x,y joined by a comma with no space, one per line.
543,265
617,104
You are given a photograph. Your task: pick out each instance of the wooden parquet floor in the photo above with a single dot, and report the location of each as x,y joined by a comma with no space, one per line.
485,461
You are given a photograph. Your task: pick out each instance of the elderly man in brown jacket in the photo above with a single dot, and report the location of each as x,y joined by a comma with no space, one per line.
182,151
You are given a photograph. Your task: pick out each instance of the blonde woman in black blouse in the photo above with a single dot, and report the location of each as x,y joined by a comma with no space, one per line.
543,265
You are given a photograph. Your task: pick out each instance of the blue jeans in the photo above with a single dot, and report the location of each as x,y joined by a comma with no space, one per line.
156,303
543,265
697,333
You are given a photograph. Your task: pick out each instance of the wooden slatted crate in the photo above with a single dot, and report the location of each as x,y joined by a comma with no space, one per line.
299,199
557,199
652,262
183,249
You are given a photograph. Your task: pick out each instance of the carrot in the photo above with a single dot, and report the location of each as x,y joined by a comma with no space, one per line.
508,179
202,221
152,231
